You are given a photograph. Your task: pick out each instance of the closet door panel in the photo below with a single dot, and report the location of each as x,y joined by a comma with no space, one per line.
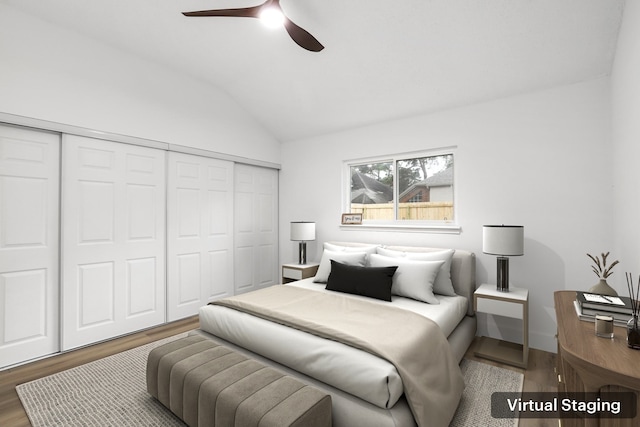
268,236
141,212
221,269
245,261
200,233
189,279
24,294
24,211
187,213
141,292
29,236
244,231
96,293
114,239
96,203
256,231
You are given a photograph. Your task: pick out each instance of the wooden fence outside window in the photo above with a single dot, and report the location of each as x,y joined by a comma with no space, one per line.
423,211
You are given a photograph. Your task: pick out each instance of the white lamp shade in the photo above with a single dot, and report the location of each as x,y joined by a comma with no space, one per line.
503,240
303,231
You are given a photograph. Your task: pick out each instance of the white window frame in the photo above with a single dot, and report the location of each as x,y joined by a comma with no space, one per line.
446,227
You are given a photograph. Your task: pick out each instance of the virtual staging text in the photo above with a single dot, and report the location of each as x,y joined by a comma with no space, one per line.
563,405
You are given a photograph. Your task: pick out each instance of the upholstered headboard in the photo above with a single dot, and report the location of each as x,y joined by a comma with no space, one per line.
463,268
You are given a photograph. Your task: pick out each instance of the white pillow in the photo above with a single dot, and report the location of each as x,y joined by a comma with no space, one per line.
349,258
369,249
413,279
442,284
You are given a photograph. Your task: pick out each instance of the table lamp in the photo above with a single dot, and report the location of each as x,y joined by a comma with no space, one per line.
504,241
303,232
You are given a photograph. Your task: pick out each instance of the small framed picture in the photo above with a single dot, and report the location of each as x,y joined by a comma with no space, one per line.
351,218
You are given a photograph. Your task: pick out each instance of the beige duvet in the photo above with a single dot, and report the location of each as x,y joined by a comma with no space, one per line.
413,344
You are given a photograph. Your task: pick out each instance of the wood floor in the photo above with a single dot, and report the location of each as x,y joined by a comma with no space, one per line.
539,376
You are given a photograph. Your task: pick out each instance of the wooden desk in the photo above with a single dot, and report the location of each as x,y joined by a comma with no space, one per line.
592,364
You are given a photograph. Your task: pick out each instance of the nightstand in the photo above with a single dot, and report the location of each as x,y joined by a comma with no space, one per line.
293,272
513,304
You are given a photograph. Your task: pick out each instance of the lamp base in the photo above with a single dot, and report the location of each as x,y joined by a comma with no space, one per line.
302,253
503,274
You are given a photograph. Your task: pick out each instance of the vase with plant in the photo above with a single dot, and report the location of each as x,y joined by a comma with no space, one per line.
633,331
603,272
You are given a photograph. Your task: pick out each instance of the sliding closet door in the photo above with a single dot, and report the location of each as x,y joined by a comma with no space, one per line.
113,246
256,228
199,233
29,206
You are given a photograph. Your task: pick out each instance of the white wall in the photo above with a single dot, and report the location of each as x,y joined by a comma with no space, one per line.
542,160
53,74
626,145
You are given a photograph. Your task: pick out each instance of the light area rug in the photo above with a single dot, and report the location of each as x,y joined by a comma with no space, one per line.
108,392
112,392
480,381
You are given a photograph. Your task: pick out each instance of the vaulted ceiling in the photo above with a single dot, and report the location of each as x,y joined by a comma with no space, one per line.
382,59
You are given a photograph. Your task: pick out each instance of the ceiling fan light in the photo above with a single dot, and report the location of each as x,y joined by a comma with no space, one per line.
272,17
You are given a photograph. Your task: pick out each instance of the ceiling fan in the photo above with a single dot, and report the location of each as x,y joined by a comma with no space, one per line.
268,9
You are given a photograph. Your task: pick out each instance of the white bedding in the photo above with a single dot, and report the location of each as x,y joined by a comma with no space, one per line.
447,314
356,372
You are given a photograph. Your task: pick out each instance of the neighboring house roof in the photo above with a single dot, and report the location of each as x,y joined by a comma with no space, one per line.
440,179
368,190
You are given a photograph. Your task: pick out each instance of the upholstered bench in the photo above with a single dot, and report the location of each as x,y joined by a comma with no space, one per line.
208,384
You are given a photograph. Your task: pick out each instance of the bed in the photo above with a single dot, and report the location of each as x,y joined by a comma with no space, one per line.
345,342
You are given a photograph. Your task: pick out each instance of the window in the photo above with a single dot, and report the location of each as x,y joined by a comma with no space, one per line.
416,198
414,189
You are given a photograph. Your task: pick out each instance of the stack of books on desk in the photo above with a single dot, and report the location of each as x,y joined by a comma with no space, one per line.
589,305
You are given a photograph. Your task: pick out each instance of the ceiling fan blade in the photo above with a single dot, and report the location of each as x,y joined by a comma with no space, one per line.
299,35
302,36
245,12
